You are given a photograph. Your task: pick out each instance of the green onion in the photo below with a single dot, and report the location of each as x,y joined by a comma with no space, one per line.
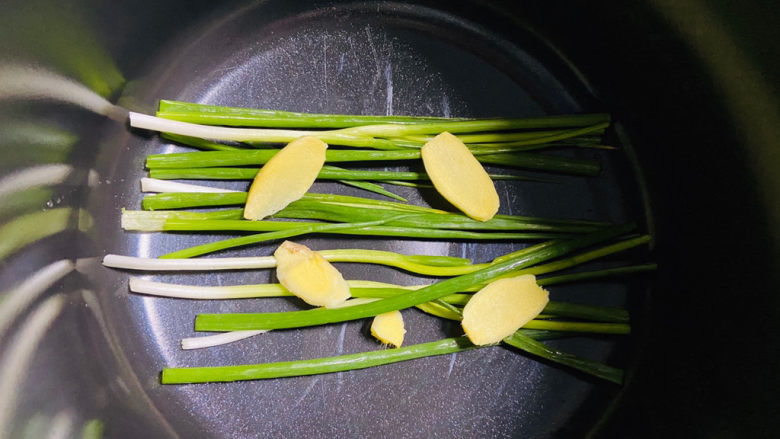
154,221
422,264
327,173
251,117
508,137
586,327
588,275
174,222
285,229
356,209
199,143
525,339
540,162
184,225
315,366
534,347
235,116
315,209
371,136
515,139
328,365
208,159
297,230
409,184
179,200
373,187
171,200
442,308
591,122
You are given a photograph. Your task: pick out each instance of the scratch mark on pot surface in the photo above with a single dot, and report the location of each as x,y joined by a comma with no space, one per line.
452,364
500,390
343,331
508,199
226,70
306,392
389,89
445,106
354,51
341,62
340,350
325,65
376,59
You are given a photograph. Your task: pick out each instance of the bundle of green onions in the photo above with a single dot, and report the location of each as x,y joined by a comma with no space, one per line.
232,153
382,139
443,299
344,215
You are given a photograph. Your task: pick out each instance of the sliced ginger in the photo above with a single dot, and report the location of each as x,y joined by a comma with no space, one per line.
502,307
308,275
389,328
459,177
285,177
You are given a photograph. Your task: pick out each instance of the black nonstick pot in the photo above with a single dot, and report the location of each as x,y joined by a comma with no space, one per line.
691,87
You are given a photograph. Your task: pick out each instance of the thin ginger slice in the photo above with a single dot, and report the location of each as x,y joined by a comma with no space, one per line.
459,177
308,275
502,307
285,177
389,328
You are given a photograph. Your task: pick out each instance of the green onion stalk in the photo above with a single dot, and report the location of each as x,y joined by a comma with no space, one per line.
251,117
283,229
234,116
157,185
228,220
413,263
196,165
373,187
346,208
241,157
524,339
327,173
376,136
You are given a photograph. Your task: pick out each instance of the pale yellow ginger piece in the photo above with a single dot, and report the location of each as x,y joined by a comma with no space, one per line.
389,328
502,307
308,275
285,177
459,177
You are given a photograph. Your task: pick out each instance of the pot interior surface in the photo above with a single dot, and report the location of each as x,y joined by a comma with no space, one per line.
362,60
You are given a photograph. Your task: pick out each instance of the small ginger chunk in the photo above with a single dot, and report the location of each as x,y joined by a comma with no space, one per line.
459,177
308,275
285,177
502,307
389,328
